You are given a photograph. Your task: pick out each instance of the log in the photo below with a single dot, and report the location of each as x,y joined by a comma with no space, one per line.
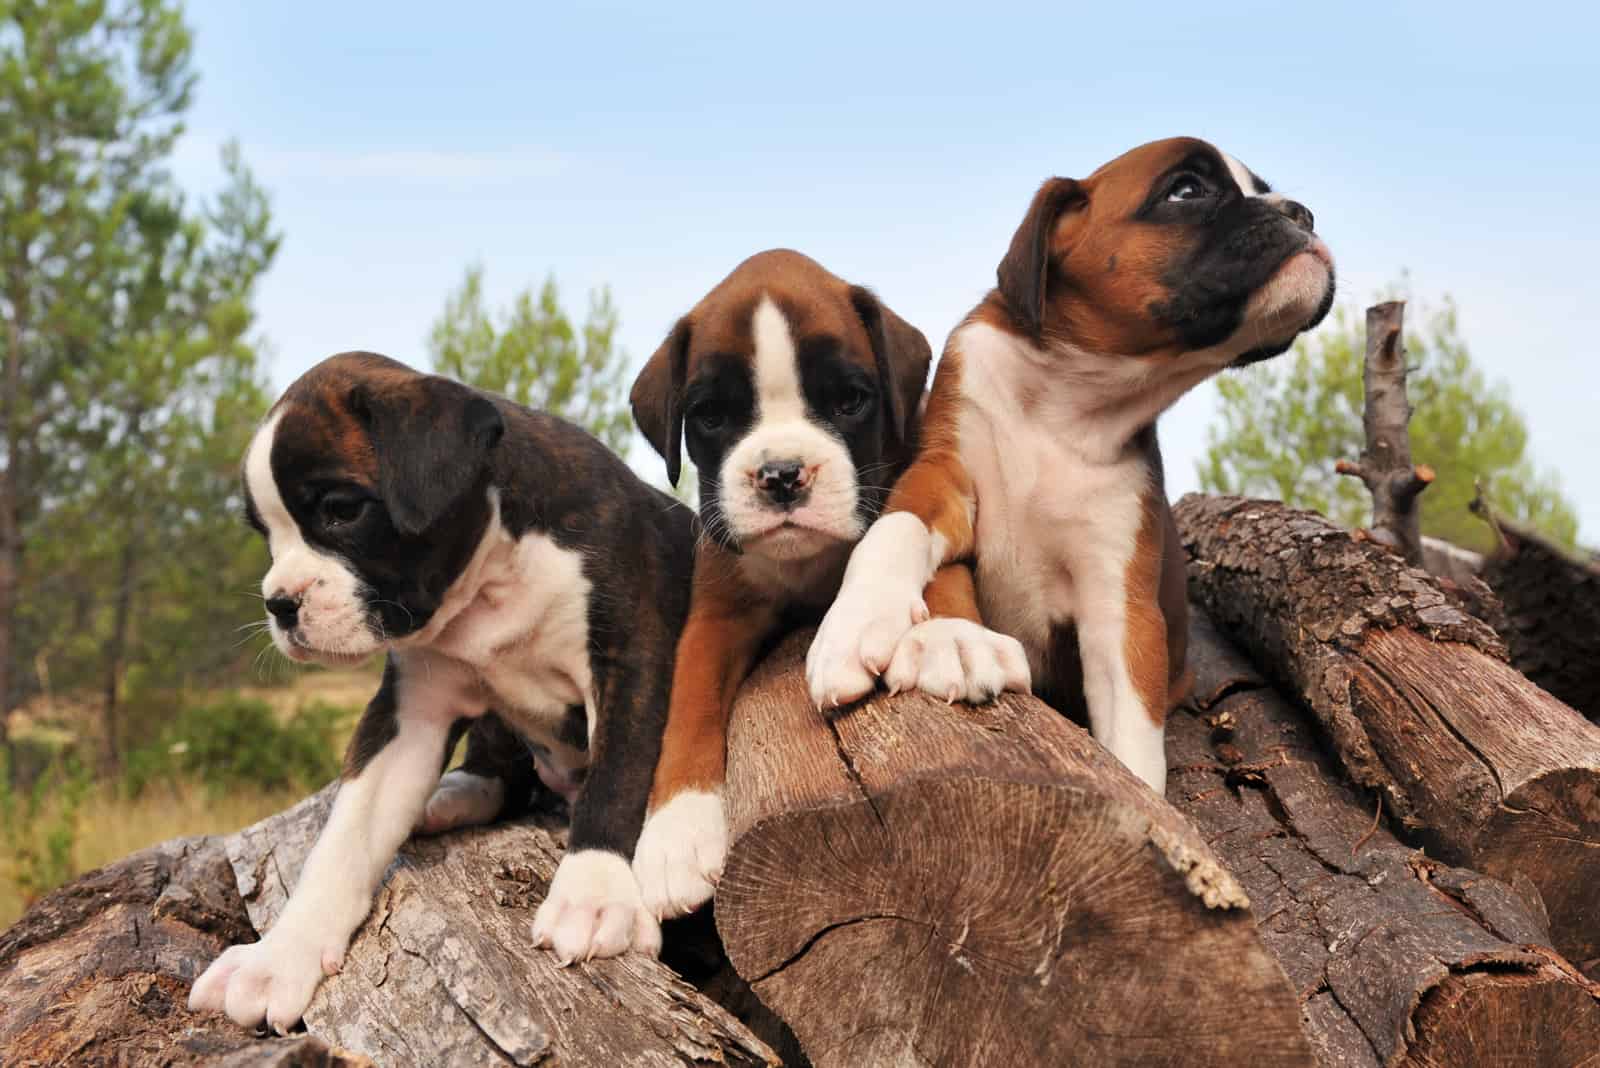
1479,765
1397,959
443,971
1385,467
1552,610
98,971
915,883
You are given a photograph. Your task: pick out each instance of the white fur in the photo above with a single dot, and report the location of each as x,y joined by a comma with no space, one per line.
783,430
594,909
879,601
333,621
1241,174
958,660
680,853
461,799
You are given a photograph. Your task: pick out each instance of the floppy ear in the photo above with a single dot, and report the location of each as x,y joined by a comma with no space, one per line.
657,398
432,438
1024,273
902,356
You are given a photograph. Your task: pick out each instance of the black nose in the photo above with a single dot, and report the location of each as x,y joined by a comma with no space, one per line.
781,480
286,610
1299,213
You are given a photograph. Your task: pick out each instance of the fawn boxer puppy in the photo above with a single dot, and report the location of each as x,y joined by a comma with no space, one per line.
797,395
1038,460
504,560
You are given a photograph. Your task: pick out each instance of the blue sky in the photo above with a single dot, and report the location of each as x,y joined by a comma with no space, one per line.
651,147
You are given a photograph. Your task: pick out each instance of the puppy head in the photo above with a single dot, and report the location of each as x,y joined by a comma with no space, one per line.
369,482
797,395
1173,248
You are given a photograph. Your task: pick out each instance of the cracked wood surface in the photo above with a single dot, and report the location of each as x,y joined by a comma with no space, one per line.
443,973
1397,959
915,883
1475,762
98,972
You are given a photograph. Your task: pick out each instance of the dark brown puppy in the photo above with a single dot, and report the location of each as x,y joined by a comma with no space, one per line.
797,394
506,562
1039,461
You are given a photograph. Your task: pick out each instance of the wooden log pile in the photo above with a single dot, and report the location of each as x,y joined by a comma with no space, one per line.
1380,845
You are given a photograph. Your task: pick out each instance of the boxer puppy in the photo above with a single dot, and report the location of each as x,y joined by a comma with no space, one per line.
1039,461
504,560
797,395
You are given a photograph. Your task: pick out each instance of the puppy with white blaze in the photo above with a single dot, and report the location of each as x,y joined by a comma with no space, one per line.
797,395
524,585
1039,464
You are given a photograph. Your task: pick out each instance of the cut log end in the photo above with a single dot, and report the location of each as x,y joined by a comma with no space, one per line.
1483,1018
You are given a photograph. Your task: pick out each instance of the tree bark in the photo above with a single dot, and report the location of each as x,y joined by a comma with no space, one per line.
116,648
443,971
1552,611
1385,466
1478,764
1397,960
98,972
915,883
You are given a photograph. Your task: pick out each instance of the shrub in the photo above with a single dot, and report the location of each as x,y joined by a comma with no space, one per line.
239,740
39,824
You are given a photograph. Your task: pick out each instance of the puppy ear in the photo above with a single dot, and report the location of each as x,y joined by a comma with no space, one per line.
432,438
1024,273
657,398
902,356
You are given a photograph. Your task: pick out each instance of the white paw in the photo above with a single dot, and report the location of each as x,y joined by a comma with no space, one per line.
958,660
270,980
594,910
1140,744
680,853
857,639
461,799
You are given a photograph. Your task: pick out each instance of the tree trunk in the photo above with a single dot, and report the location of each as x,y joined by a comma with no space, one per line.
1477,763
116,648
1397,960
1552,611
1385,465
443,971
98,972
915,883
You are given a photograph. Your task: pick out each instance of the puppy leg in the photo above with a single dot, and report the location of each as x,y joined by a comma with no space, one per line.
392,763
953,655
495,777
1122,641
681,851
927,523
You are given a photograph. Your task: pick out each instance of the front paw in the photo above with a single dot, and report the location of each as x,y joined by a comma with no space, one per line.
593,909
958,660
680,854
857,639
270,980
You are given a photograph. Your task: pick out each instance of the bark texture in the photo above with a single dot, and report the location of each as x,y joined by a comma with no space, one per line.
915,883
1385,466
443,971
1473,760
1397,959
1552,611
98,972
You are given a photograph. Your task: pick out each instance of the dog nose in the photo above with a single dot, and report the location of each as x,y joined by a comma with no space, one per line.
781,480
1299,213
286,610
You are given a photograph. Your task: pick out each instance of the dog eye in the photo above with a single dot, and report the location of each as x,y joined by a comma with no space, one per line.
1187,187
852,402
340,509
708,417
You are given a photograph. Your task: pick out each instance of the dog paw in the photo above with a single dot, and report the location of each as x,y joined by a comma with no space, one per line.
461,799
680,854
593,910
271,980
958,660
857,639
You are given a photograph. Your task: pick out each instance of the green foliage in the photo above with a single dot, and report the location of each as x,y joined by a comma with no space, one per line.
126,310
38,825
235,740
1286,422
537,357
